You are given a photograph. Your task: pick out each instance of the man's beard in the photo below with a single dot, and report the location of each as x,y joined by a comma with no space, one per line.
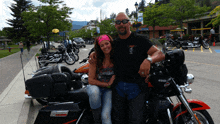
122,33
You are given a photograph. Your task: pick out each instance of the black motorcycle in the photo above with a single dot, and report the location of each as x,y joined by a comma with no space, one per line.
172,43
56,57
168,78
73,51
196,43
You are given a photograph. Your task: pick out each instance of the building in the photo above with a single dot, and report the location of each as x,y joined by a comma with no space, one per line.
90,25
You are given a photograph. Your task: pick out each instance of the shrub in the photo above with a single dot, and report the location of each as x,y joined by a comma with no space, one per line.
186,37
9,43
162,41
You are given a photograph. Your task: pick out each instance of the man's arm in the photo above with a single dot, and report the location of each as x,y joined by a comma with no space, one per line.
156,56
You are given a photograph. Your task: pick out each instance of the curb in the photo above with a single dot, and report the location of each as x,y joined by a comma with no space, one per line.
23,116
25,110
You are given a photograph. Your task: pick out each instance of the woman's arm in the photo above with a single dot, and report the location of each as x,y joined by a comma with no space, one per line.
93,76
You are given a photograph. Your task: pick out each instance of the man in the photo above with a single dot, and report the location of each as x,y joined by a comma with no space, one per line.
28,46
131,67
212,32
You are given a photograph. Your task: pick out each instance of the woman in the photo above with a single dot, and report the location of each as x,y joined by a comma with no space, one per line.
100,79
21,47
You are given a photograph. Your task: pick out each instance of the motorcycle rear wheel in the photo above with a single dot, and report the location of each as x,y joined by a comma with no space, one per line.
202,115
205,45
69,62
43,101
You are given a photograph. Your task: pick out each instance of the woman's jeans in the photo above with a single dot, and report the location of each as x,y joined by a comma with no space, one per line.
100,96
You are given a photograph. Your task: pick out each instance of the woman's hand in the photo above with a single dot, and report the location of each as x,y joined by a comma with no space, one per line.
111,80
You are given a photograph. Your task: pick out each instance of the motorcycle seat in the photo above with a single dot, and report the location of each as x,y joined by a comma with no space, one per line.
79,94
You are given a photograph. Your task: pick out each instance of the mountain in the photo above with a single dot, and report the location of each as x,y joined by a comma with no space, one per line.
78,24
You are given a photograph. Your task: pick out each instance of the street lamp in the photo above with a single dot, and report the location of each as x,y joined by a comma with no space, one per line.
136,6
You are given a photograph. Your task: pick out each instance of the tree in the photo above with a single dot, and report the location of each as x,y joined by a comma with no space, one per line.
107,27
113,16
155,15
127,12
41,20
3,33
141,5
18,30
203,3
133,13
215,21
181,10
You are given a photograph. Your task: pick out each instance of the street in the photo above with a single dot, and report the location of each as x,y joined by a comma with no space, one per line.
204,66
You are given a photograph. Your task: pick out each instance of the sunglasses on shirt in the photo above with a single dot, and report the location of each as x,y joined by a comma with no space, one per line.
118,22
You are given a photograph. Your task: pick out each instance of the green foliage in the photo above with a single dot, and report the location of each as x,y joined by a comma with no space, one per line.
186,37
180,10
156,15
18,30
215,21
37,54
162,41
141,5
41,20
107,27
9,43
3,33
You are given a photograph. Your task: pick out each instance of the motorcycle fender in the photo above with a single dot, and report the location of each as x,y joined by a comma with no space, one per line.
83,69
61,113
194,104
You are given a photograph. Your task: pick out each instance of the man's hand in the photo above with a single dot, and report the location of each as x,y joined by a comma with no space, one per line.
144,68
92,58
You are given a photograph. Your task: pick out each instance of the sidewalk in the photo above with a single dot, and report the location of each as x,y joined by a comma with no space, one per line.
14,107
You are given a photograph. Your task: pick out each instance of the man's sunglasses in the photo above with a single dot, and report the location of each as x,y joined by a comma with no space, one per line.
118,22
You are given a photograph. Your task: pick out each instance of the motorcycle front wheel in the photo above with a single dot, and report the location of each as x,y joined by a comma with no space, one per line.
75,55
76,50
70,60
202,115
205,45
41,62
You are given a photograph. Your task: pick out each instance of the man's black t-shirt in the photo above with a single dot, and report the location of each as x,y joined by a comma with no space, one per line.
128,55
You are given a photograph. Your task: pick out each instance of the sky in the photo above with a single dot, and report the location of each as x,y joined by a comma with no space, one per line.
84,10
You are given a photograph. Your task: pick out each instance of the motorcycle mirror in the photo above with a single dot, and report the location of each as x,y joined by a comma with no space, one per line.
159,45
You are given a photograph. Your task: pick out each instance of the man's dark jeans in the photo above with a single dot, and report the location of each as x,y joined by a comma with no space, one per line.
127,108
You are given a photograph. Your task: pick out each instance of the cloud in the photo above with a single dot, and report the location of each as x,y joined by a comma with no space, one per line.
83,9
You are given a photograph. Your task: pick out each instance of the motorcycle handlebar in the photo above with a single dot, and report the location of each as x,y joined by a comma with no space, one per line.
83,61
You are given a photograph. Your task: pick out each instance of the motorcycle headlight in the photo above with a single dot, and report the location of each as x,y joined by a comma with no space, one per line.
84,78
190,78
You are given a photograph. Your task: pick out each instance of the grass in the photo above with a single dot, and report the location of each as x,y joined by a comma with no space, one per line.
15,49
4,53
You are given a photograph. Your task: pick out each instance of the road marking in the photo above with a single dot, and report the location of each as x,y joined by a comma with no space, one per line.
173,48
201,49
202,63
210,50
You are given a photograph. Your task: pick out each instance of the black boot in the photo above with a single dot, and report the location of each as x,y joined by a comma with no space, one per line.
97,115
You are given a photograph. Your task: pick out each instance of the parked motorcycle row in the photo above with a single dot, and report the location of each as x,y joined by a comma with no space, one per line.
197,42
67,53
64,93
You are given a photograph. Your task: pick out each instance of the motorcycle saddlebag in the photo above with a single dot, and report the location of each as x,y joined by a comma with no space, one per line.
60,84
40,86
63,113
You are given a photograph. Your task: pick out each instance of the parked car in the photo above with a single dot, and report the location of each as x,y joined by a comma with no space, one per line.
80,42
